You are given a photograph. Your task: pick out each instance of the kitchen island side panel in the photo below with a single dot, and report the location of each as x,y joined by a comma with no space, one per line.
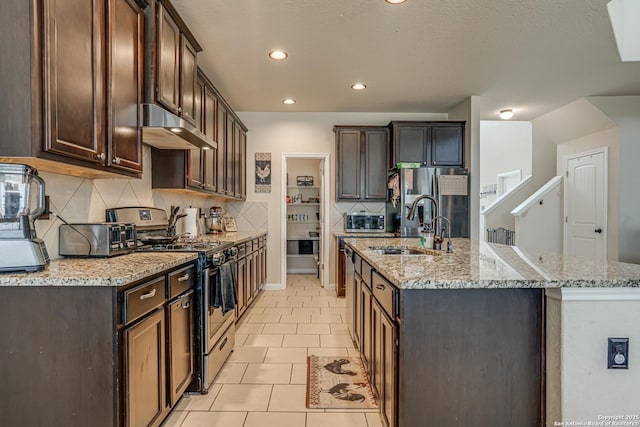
471,357
57,357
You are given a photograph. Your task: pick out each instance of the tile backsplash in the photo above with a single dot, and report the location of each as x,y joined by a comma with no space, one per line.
85,200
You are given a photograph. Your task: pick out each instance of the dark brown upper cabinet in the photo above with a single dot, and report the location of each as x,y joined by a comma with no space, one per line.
176,63
217,171
221,152
75,100
428,143
168,61
125,29
361,162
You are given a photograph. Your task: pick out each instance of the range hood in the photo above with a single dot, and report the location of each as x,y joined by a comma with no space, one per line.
163,129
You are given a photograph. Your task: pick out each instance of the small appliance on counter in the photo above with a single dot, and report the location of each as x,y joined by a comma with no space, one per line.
97,239
20,247
213,220
363,222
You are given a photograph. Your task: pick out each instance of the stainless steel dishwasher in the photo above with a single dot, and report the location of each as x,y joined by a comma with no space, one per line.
348,290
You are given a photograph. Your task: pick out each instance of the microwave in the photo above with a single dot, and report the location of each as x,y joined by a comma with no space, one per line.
363,222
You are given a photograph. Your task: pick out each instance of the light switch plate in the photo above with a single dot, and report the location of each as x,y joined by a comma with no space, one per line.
618,353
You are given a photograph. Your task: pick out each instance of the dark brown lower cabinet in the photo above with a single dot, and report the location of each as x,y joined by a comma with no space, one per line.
241,287
340,264
145,371
357,309
180,317
250,278
365,338
384,361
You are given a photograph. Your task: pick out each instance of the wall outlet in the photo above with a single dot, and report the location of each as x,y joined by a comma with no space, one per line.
618,353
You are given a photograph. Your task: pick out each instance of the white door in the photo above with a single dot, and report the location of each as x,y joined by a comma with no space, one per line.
586,205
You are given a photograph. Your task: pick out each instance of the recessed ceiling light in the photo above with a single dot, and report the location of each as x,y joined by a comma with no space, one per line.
395,1
506,114
278,54
289,101
176,130
358,86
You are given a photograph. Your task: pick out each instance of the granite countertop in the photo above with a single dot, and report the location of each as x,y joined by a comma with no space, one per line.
115,271
475,264
375,234
235,237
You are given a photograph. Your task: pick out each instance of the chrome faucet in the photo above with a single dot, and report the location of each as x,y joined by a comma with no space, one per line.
449,243
414,205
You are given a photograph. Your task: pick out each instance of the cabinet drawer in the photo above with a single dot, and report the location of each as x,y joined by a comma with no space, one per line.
143,298
181,280
366,274
221,351
385,293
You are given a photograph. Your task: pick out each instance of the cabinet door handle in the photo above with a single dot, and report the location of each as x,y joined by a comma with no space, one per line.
598,230
100,156
223,343
147,295
186,304
381,287
183,278
116,160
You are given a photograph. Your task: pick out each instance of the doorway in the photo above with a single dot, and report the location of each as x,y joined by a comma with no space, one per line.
305,201
585,204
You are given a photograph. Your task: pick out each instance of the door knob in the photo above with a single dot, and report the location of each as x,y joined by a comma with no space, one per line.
598,230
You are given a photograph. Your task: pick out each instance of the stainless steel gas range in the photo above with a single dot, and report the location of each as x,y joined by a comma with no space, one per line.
214,322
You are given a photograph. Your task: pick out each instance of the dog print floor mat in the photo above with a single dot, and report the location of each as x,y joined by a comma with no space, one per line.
338,383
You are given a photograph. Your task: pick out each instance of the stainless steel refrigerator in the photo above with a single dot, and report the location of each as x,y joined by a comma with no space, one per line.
448,186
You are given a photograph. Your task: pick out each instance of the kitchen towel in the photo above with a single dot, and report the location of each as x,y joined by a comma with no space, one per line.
191,222
225,292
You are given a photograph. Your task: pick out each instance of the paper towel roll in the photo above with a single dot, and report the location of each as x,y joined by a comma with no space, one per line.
191,222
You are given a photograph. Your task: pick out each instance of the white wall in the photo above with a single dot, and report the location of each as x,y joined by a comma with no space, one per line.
625,111
505,146
608,138
543,165
540,226
280,133
579,385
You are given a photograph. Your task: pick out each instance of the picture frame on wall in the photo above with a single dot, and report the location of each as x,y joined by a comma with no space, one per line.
263,173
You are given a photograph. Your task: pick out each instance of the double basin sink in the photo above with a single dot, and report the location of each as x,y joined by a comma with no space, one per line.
403,250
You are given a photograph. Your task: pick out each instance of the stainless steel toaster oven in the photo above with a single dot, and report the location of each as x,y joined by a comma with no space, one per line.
97,239
363,222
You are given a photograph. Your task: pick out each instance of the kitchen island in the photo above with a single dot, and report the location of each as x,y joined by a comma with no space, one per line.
467,338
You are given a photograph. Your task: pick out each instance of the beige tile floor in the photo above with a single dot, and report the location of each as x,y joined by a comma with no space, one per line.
262,384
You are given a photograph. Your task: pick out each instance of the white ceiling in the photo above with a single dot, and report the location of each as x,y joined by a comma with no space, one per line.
420,56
